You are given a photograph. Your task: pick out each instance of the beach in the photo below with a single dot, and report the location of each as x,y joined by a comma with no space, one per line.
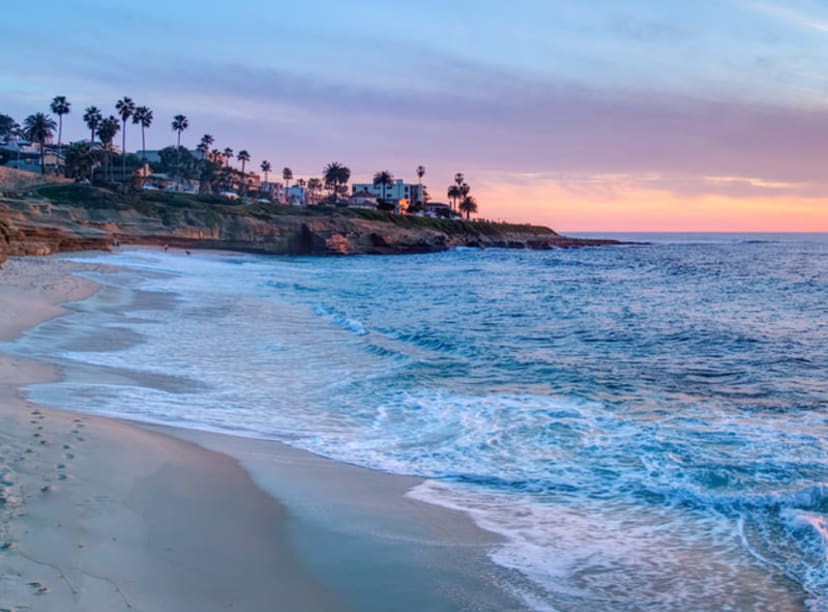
100,514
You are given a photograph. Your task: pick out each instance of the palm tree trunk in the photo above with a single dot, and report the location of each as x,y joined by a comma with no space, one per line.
60,136
42,157
123,154
178,162
143,145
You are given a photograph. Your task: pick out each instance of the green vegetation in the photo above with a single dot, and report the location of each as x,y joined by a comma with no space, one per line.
39,128
171,207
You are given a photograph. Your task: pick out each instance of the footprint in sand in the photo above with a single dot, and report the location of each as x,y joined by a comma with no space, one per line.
70,455
66,447
38,587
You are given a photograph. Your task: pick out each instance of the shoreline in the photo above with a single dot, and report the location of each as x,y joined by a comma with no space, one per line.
321,521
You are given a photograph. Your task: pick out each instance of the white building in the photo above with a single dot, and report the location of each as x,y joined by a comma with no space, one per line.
274,190
400,190
295,196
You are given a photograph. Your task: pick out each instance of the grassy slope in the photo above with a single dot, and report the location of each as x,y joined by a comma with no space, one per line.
165,206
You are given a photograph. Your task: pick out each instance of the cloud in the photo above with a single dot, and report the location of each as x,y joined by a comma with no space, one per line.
789,15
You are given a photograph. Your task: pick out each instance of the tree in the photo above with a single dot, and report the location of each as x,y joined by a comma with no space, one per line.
420,174
40,128
60,106
125,107
106,132
79,160
206,142
179,124
336,174
6,126
287,175
92,117
243,157
177,159
458,178
468,206
314,187
143,117
266,168
454,194
228,155
384,178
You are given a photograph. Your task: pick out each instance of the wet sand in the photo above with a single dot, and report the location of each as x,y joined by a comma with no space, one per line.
96,514
102,514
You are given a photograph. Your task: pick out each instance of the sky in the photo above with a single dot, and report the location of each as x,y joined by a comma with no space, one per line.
583,115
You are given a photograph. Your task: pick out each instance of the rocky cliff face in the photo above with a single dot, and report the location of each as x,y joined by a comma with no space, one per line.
39,226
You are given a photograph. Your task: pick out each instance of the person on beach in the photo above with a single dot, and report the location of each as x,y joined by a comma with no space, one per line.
166,246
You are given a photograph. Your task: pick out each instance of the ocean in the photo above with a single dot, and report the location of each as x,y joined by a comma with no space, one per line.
646,426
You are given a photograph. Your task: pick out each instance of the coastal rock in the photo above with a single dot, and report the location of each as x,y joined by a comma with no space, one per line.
337,245
74,217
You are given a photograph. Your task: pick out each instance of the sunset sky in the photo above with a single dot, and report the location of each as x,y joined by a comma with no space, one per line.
593,115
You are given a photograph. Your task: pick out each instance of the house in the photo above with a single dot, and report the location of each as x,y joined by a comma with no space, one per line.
275,191
400,190
154,156
437,210
362,199
295,196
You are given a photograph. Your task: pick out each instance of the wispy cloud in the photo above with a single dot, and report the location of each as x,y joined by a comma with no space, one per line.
790,15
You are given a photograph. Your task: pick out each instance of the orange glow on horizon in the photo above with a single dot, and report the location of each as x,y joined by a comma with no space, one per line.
636,209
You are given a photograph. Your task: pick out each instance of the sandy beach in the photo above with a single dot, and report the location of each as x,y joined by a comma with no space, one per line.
102,514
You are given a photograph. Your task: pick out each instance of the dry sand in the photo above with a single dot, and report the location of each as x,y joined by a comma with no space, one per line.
96,514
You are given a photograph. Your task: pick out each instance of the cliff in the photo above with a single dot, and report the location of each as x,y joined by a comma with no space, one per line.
76,217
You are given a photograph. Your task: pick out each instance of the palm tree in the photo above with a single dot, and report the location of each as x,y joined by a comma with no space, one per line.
92,117
60,107
243,157
228,155
179,124
287,175
143,117
384,178
125,108
336,174
266,168
468,206
39,128
206,142
106,132
420,174
314,186
458,178
454,194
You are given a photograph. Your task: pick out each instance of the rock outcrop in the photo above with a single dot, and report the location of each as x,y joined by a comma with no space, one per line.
82,218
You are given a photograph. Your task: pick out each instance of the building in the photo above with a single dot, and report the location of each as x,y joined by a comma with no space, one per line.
275,191
295,196
437,210
362,199
154,156
400,190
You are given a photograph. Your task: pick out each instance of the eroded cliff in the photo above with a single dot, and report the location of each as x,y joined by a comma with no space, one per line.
73,217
